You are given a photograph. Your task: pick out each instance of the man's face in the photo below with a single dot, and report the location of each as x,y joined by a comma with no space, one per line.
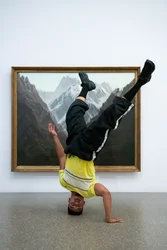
76,203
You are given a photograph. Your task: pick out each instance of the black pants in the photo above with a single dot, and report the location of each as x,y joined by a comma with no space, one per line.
86,142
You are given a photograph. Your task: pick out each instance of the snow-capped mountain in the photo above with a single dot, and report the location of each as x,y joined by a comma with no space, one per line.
100,94
63,86
59,106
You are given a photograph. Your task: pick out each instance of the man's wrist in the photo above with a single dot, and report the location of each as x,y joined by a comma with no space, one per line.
108,217
55,137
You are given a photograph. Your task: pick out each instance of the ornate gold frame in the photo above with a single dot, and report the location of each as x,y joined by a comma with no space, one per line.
17,69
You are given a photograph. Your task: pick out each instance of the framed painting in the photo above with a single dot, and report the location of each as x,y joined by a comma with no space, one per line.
41,95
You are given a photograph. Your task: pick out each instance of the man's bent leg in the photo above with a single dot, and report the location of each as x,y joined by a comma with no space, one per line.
75,121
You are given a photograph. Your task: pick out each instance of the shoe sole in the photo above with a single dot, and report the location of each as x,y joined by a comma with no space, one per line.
151,64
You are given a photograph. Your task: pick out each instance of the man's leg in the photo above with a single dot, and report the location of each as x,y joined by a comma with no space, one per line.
92,139
75,121
98,132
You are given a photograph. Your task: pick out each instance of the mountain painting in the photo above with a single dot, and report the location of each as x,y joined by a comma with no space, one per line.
45,97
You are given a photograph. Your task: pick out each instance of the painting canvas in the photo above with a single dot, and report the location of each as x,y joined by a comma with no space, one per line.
43,95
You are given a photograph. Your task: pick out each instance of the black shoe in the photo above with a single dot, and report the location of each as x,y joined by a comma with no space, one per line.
86,82
147,71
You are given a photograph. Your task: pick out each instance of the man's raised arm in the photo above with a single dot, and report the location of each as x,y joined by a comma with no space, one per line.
59,148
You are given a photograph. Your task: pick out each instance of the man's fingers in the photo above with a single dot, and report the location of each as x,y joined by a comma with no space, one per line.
114,220
50,127
119,220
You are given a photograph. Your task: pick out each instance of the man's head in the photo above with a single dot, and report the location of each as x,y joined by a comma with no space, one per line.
75,204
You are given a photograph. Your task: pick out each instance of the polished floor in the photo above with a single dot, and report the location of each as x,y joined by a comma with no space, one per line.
40,222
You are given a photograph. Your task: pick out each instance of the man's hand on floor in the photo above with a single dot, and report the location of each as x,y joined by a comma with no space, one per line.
113,220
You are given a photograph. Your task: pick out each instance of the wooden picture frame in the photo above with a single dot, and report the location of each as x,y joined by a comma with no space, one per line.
29,112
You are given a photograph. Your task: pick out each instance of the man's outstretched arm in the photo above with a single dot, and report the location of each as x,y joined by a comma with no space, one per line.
59,148
102,191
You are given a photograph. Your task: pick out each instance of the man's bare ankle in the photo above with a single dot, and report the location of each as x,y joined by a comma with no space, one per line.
81,98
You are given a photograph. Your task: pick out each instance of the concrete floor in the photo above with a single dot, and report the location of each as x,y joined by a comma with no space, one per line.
40,222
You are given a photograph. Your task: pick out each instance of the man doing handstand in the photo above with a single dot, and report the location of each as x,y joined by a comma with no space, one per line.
77,171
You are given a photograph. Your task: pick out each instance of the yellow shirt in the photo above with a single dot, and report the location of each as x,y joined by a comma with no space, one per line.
78,176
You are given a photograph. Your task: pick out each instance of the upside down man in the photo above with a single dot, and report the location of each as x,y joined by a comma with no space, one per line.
84,143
